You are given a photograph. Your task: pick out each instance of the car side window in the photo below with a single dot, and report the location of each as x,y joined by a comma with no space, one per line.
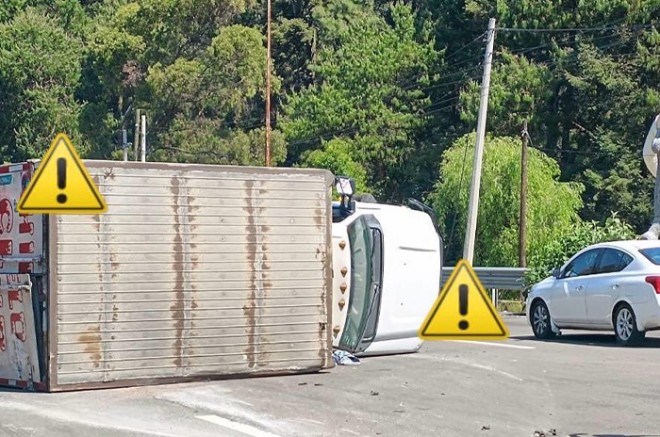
583,265
613,261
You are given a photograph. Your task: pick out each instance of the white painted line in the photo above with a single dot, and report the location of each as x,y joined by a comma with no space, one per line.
493,369
240,427
487,343
468,363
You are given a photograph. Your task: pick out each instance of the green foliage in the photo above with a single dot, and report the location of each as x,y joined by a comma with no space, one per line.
519,89
39,71
377,90
575,238
198,103
359,94
180,28
552,205
205,141
337,156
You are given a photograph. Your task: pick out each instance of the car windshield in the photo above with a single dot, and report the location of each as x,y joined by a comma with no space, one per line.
360,238
652,254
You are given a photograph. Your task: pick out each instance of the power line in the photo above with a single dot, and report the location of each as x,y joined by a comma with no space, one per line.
575,29
460,50
460,187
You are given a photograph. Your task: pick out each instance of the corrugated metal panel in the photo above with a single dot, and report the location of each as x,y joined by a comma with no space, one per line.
194,270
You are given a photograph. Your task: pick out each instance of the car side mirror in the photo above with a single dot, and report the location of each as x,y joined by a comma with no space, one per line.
556,272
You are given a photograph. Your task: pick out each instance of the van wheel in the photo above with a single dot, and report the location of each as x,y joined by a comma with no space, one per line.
541,321
625,326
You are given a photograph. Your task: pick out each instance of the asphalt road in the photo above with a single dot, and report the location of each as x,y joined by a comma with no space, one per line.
580,385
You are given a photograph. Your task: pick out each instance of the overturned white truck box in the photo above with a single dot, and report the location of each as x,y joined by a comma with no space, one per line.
195,271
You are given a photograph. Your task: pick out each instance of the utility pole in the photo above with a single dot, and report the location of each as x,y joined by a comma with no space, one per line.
522,232
124,133
143,142
473,206
136,136
124,143
268,85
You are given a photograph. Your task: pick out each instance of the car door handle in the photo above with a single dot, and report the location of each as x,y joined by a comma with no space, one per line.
615,286
579,288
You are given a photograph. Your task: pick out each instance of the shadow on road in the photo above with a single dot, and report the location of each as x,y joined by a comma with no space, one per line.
599,340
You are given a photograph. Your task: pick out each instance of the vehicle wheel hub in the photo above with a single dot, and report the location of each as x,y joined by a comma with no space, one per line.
624,324
540,319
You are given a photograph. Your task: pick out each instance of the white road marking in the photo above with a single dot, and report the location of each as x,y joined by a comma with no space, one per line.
312,421
493,369
88,418
469,364
240,427
487,343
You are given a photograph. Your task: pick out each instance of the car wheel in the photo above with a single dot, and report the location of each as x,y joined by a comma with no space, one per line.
625,326
541,321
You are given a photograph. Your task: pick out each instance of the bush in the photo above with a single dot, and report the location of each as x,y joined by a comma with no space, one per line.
578,236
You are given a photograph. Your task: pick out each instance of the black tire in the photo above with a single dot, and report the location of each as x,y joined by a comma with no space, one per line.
539,317
365,197
625,326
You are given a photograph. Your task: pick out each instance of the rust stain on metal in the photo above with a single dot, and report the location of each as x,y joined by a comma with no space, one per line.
115,315
114,265
263,355
92,340
177,309
319,218
191,209
323,351
190,350
97,226
251,249
264,264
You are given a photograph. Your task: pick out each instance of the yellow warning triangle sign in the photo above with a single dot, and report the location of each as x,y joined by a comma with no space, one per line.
61,184
463,311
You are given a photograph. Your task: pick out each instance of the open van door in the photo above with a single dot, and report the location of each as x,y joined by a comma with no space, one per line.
21,267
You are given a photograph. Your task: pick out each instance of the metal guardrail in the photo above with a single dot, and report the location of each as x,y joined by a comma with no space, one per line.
500,278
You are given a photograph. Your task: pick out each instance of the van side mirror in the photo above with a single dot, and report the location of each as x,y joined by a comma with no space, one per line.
345,186
556,272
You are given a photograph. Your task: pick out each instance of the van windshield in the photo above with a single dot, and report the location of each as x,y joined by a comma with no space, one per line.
360,238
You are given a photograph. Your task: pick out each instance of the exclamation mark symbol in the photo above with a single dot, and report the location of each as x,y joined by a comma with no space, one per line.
463,305
61,179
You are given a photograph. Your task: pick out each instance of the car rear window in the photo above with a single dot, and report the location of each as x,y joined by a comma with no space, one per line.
652,254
